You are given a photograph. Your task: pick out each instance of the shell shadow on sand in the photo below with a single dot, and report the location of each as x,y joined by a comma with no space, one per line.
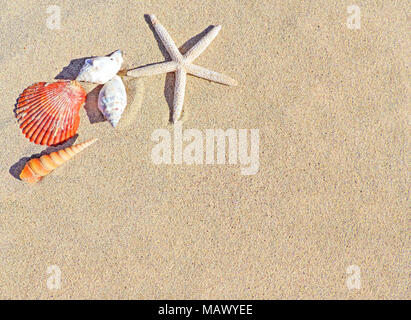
71,71
16,168
93,113
170,78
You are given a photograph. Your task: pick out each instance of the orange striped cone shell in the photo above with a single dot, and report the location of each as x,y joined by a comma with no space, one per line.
48,113
35,169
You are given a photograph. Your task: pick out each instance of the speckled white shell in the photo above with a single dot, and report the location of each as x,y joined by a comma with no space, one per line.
101,69
112,100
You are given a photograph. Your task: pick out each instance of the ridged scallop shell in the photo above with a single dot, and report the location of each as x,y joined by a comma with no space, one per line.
101,69
112,100
48,113
35,169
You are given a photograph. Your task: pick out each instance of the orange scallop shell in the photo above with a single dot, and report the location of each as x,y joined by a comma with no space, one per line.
48,113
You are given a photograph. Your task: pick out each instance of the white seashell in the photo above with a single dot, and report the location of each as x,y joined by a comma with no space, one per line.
112,100
101,69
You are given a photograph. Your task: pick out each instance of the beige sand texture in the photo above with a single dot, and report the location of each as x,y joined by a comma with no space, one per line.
331,105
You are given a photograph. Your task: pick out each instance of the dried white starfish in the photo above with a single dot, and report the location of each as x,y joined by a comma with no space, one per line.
181,65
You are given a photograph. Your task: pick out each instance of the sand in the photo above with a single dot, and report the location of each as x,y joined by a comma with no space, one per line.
331,105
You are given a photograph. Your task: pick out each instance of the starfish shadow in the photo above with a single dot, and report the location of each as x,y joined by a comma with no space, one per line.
169,93
16,168
192,41
170,78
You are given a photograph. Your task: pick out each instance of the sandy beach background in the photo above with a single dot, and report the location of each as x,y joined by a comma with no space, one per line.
332,108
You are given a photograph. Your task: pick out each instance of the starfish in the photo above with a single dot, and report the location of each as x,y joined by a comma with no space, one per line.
181,65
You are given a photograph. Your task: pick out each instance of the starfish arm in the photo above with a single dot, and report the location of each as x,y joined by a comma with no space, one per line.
210,75
166,39
202,44
153,69
179,92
